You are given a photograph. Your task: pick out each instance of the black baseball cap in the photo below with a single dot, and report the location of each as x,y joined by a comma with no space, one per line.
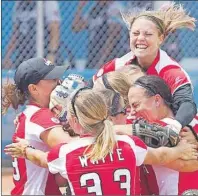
35,69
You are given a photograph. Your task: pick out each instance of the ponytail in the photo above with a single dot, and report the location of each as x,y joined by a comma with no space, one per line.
104,142
11,97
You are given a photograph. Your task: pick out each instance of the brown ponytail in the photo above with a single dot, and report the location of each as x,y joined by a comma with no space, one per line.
11,97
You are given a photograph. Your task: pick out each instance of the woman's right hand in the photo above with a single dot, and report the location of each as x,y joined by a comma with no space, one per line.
187,151
17,150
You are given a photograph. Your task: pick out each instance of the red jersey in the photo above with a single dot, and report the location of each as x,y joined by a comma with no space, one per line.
189,180
163,66
115,174
29,179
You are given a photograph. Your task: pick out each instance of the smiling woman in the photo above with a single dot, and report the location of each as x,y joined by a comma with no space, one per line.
148,30
150,98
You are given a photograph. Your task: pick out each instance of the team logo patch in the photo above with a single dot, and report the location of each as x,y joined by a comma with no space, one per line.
47,62
178,79
55,120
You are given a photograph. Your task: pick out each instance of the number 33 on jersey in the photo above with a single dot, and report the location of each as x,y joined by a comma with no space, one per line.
115,174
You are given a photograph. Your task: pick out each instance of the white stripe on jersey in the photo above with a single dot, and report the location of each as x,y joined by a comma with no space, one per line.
194,121
37,179
167,180
165,61
120,62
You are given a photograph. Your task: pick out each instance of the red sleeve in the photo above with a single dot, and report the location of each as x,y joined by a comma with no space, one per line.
45,118
174,76
54,153
107,67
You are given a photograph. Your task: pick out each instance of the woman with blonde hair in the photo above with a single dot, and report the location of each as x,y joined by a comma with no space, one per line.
119,81
148,30
100,157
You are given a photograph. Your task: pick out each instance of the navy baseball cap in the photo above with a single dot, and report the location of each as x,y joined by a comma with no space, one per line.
35,69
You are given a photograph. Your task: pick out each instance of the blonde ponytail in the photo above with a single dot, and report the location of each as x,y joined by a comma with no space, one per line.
168,18
174,17
11,97
92,113
104,143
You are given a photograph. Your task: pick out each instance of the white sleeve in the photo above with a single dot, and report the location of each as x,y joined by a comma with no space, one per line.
140,150
140,155
52,11
56,164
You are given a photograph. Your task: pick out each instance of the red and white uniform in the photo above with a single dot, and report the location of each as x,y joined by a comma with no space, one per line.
160,180
163,66
30,179
189,180
113,175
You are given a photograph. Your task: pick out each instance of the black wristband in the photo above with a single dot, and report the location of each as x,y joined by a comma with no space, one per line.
28,146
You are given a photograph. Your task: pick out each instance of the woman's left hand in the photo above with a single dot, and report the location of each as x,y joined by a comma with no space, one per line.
187,135
17,150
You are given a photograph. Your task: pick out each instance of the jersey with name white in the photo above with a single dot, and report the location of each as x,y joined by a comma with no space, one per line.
29,179
115,174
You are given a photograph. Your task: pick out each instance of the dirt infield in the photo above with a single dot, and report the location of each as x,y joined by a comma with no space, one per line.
7,183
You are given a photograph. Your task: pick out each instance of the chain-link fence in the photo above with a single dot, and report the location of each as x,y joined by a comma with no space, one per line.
79,33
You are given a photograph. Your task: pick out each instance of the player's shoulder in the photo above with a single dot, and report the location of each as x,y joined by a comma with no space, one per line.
54,153
166,62
43,113
41,116
113,65
131,140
